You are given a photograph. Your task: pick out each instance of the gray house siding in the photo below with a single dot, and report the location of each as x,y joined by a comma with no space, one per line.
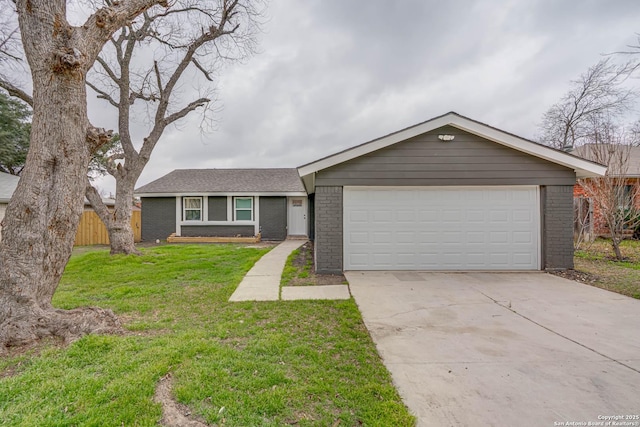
217,230
557,226
273,218
468,160
217,209
328,230
425,160
158,217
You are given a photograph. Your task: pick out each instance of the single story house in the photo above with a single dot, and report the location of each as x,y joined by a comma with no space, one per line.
589,219
225,202
450,193
8,184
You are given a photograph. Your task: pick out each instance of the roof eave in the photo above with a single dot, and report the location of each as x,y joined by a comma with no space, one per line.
583,168
224,193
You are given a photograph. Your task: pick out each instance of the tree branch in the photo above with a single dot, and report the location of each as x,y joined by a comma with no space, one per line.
207,75
102,94
16,91
186,110
106,21
108,69
114,168
98,205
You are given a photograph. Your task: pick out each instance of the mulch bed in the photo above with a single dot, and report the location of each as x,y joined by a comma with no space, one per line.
304,257
578,276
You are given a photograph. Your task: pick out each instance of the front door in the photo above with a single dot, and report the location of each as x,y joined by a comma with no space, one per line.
297,214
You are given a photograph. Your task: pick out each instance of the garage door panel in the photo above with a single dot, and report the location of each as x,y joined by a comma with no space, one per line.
522,258
359,216
442,229
473,237
382,216
428,215
359,237
383,259
382,237
498,237
499,216
522,237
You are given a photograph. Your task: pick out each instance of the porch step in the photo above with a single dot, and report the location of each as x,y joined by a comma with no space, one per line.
209,239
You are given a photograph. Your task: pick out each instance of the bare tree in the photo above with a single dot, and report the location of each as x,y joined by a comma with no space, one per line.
42,218
611,195
597,94
144,63
582,221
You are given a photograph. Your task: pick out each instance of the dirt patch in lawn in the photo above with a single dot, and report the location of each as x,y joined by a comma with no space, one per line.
173,413
300,268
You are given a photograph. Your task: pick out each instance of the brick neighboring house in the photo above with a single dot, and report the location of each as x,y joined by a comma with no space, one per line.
588,212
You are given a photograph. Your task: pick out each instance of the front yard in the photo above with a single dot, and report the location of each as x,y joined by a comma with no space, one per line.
596,260
297,363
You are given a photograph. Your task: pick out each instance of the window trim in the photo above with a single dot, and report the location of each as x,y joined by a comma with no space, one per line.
250,209
184,208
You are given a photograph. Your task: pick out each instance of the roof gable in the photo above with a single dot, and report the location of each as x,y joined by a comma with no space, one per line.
582,167
207,181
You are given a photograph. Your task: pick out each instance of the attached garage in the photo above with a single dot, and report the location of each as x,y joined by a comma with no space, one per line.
447,194
441,228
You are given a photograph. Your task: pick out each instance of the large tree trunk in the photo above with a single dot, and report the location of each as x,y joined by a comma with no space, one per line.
118,220
120,233
42,218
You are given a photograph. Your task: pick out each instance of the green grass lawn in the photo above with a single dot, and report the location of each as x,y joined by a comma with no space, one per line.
302,363
623,277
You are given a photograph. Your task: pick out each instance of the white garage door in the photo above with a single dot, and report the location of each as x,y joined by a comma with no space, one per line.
441,228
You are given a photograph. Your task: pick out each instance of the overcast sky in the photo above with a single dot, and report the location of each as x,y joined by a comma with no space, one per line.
333,73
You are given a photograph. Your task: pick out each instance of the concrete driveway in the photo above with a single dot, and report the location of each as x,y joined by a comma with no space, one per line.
527,349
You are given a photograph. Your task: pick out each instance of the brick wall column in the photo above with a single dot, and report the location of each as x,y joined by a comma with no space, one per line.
557,223
328,230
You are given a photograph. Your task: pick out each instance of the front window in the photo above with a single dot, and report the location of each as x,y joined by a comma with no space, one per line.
243,208
192,208
624,195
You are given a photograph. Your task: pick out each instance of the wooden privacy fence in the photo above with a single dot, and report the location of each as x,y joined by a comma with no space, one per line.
92,230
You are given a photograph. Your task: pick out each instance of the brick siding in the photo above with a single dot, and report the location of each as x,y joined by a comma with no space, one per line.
328,230
558,226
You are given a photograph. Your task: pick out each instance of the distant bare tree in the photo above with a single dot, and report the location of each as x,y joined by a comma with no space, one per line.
144,64
611,195
599,94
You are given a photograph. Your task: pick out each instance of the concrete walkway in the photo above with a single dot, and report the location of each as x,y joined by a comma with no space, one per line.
262,282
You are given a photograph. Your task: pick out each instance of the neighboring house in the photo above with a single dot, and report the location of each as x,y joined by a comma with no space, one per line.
588,215
447,194
225,202
8,184
91,230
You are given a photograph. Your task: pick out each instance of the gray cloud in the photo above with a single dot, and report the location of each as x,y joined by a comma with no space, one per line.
332,74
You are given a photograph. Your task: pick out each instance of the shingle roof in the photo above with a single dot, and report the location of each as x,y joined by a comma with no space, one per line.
8,184
226,181
633,162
